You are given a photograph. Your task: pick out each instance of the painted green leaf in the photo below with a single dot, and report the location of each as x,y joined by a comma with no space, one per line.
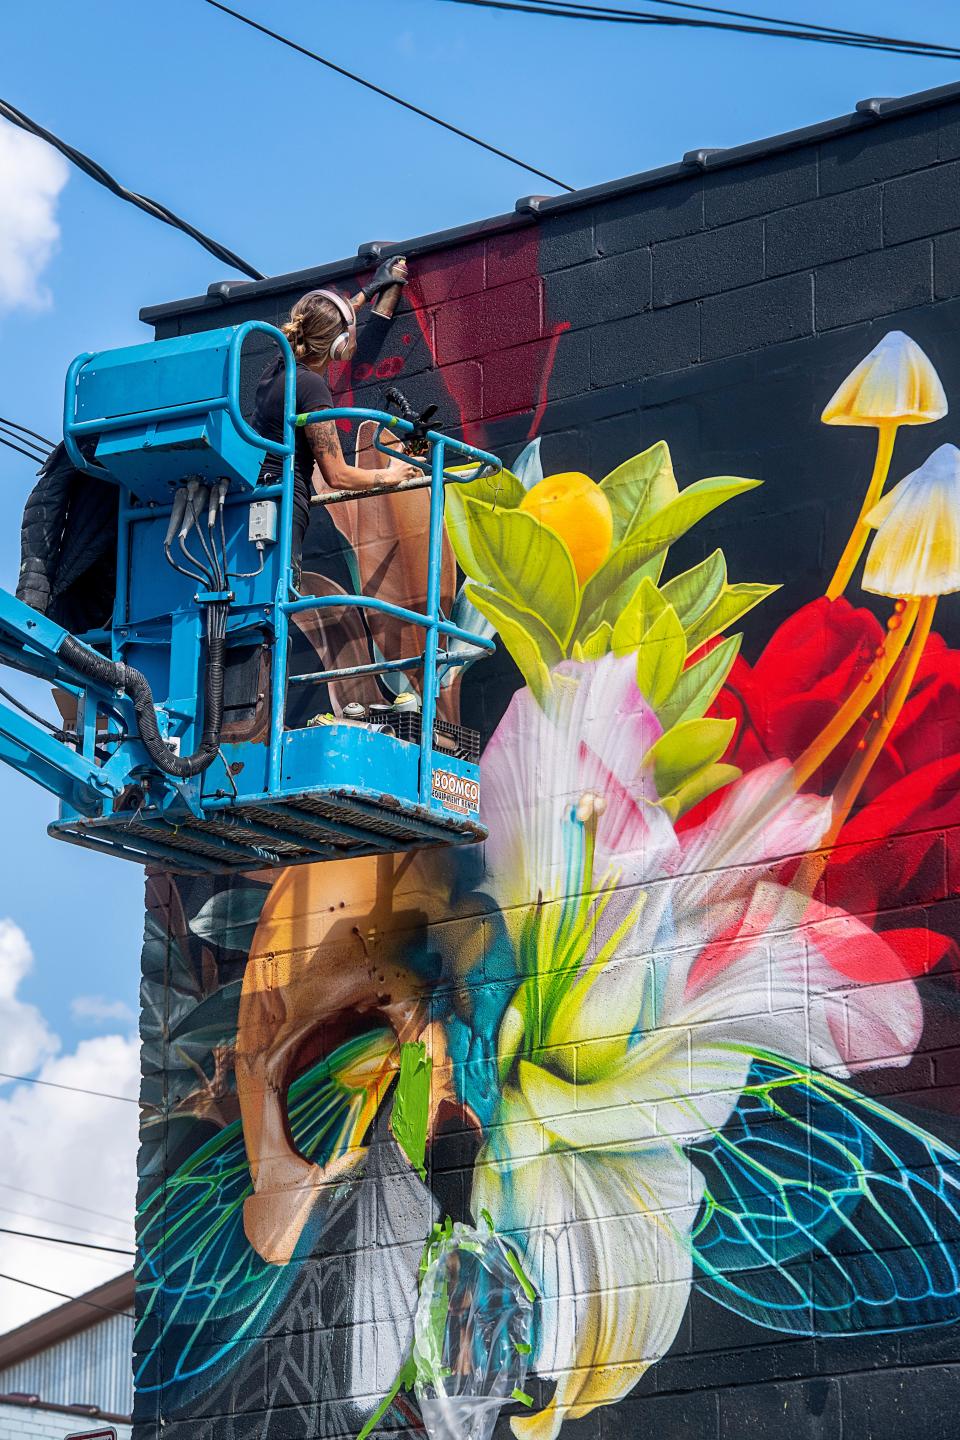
411,1103
697,789
734,601
620,600
661,657
230,917
525,561
692,593
697,688
690,507
681,753
502,492
635,620
651,536
597,643
639,487
534,648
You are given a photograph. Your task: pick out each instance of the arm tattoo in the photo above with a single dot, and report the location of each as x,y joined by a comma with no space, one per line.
323,438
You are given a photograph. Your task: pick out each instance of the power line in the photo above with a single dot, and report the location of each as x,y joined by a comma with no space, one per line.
61,1295
32,445
62,1240
782,20
30,454
387,94
77,1089
69,1204
32,1215
25,430
608,15
59,1240
142,202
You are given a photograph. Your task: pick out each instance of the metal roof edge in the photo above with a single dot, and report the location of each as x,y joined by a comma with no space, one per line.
530,208
65,1320
368,253
51,1407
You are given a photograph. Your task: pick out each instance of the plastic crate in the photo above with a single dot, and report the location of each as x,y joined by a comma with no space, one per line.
449,739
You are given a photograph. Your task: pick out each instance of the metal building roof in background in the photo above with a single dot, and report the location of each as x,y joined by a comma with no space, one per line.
76,1355
529,209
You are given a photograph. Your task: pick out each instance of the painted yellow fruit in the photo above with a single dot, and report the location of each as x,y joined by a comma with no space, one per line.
577,510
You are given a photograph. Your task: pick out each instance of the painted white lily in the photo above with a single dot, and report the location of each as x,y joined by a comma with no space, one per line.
650,970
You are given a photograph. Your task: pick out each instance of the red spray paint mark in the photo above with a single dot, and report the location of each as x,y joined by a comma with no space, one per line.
548,365
530,376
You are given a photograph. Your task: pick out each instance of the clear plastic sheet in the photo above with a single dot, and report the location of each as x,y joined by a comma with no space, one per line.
472,1333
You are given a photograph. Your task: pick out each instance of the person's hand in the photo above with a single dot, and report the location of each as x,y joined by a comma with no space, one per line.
388,272
399,470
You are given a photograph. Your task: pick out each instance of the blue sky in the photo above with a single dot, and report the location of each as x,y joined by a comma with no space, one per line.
291,166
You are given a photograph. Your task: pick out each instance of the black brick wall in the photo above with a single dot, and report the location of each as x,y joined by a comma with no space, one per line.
698,309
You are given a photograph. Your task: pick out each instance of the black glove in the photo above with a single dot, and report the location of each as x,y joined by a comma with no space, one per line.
382,277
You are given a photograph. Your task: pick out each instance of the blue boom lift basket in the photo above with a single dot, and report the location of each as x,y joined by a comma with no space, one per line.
163,422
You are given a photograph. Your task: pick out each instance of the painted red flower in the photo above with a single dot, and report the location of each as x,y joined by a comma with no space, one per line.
894,851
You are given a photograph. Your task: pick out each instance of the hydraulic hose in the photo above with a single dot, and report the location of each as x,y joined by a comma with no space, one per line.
118,676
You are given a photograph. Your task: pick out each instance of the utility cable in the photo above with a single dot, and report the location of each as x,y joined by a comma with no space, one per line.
387,94
33,1217
25,430
607,14
143,202
30,454
62,1295
58,1240
33,446
785,20
77,1089
68,1204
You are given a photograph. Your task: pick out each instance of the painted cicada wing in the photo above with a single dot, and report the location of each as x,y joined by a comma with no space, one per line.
825,1212
197,1274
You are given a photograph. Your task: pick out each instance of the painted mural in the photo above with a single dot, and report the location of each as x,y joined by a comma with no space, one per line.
633,1042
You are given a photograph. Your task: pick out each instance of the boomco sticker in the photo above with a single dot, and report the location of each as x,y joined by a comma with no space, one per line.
456,792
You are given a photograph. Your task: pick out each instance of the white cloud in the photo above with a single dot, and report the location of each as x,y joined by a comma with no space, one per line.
31,178
79,1148
98,1009
25,1039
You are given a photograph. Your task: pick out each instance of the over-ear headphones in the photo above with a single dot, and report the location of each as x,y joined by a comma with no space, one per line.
341,342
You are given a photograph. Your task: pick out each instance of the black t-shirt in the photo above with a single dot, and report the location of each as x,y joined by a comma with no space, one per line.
313,393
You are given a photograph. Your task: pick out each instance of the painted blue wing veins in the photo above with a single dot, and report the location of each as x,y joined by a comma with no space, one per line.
825,1212
197,1274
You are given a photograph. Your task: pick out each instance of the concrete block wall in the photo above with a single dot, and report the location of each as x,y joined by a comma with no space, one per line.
23,1422
691,1012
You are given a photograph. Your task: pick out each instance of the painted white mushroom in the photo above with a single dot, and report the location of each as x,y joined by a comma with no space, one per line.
896,384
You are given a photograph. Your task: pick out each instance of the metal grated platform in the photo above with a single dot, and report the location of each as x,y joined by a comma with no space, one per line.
325,825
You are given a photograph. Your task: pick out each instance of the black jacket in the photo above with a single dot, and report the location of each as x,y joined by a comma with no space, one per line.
68,546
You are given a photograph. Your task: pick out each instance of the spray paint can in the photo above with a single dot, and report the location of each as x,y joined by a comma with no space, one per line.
386,302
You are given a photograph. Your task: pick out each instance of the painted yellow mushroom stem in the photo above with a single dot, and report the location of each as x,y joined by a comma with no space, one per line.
822,747
899,627
864,759
868,751
886,436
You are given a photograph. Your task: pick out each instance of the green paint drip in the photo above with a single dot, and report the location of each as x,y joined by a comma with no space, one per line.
411,1104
